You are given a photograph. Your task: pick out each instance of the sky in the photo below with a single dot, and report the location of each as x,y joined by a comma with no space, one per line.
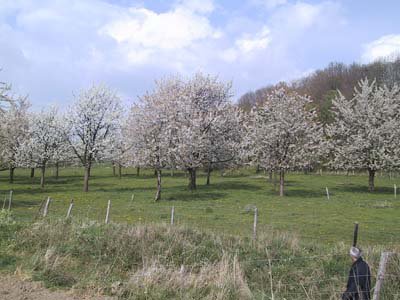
51,49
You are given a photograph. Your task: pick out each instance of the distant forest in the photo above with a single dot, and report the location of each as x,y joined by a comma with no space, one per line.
322,85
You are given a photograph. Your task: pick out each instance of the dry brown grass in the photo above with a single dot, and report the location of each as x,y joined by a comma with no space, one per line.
165,262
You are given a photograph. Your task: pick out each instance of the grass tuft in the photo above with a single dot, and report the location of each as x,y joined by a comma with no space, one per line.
178,262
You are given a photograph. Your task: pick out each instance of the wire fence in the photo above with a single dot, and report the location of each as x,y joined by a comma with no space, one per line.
237,219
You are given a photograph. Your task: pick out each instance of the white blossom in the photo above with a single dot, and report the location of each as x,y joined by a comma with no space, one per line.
283,133
201,133
44,142
89,124
365,132
13,132
149,130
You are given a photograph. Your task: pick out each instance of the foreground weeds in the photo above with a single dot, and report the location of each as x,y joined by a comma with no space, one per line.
165,262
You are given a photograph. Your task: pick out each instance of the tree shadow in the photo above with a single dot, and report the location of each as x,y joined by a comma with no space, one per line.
24,203
305,193
363,189
194,196
48,180
124,189
146,176
231,186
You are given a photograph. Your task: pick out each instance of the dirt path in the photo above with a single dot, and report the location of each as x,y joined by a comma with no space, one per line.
14,288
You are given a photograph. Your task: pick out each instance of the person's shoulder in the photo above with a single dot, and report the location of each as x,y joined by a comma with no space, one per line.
362,263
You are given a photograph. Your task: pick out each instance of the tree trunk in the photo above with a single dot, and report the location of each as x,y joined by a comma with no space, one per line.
86,178
42,174
155,172
209,169
158,194
192,179
258,169
12,174
371,180
119,171
275,181
32,173
57,170
138,171
270,176
113,167
281,182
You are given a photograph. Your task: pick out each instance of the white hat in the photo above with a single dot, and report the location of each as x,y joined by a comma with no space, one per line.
355,252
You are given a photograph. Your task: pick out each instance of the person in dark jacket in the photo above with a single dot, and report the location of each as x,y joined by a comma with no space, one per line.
359,282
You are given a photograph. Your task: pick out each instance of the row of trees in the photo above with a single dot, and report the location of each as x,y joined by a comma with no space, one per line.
285,134
83,134
191,123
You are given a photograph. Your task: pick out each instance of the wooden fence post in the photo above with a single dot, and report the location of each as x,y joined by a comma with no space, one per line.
172,215
5,200
10,200
70,208
355,234
395,191
46,207
381,274
327,193
255,223
108,212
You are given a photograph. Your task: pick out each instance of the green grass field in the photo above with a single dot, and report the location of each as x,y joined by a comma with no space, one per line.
224,206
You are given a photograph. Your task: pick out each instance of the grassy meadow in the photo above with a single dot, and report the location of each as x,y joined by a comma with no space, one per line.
226,205
302,238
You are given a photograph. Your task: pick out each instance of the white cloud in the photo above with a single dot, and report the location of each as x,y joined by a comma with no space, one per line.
259,41
200,6
229,55
170,30
247,45
386,47
65,45
301,16
270,4
142,33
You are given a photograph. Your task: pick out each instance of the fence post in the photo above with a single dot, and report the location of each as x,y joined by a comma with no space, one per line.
255,223
395,191
46,207
108,212
327,193
5,200
70,208
132,197
355,234
10,200
381,274
172,215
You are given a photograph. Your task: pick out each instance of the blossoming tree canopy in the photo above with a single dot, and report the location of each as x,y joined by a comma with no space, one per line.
365,130
283,133
89,124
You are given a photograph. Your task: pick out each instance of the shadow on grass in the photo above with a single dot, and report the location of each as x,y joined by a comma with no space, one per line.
71,179
363,189
146,176
194,196
48,190
303,193
231,186
25,203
